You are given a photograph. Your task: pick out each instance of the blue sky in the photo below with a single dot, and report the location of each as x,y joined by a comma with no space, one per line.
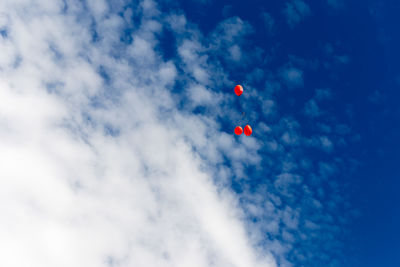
116,126
350,48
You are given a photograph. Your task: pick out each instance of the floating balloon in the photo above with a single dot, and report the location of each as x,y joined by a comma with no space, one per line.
238,130
247,130
238,90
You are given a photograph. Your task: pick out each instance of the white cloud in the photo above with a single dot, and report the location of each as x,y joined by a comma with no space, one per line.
235,52
321,142
75,195
232,28
292,77
289,138
201,96
268,107
310,225
285,181
195,63
263,127
290,218
177,22
228,39
327,144
98,8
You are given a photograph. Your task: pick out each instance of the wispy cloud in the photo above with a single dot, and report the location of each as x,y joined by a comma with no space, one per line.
335,3
292,77
269,21
295,11
311,109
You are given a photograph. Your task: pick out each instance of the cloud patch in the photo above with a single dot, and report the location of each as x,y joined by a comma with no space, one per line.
101,168
296,11
292,77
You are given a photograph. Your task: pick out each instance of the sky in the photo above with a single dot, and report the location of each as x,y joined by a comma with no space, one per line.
117,145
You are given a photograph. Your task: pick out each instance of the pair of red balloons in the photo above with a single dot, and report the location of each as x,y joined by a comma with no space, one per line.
247,130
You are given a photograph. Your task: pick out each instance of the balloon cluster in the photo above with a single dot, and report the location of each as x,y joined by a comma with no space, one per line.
247,129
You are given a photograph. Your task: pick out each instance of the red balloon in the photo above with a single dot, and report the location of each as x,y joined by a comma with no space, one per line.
238,130
238,90
247,130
